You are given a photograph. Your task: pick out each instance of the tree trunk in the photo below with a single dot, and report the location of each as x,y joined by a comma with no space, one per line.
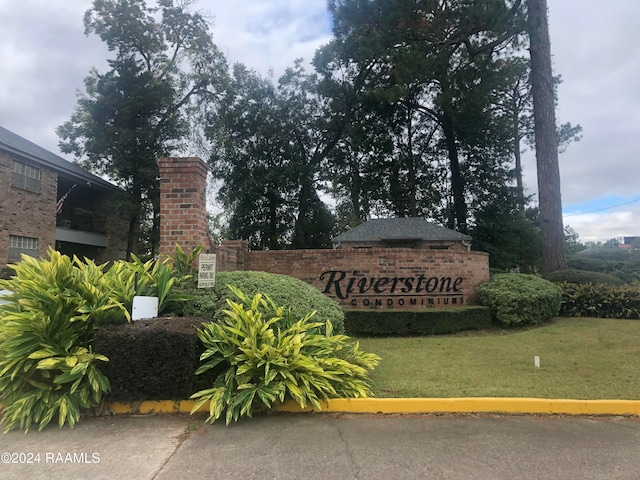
131,236
457,181
551,227
411,167
517,138
134,222
302,228
355,192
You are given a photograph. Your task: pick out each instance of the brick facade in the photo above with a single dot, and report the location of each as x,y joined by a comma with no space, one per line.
376,277
363,277
26,213
32,214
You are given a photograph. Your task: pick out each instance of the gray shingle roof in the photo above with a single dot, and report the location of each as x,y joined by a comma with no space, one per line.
399,229
22,147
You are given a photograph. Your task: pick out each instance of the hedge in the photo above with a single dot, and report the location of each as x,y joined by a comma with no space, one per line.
154,359
519,299
583,276
435,321
287,291
603,301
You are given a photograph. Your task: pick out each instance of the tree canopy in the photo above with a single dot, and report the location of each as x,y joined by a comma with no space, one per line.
415,108
165,65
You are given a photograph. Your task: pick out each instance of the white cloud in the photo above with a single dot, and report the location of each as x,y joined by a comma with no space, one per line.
602,226
269,35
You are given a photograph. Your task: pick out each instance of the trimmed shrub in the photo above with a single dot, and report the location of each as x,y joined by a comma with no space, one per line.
518,299
582,276
153,359
603,301
282,289
416,322
264,365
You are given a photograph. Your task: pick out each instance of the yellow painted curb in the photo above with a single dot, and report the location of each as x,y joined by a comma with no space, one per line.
416,405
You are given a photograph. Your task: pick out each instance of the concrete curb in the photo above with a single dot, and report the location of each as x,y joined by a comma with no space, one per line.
520,406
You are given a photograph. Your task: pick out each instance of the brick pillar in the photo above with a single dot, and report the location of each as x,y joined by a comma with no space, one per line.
183,204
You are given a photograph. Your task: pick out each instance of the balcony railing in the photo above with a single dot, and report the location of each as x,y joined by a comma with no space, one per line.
83,221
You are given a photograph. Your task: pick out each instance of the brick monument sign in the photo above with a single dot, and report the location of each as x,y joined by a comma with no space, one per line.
384,263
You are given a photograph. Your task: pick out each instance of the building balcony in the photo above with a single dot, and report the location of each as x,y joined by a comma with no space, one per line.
82,227
82,220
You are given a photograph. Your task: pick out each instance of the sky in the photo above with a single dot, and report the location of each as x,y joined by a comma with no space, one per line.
45,56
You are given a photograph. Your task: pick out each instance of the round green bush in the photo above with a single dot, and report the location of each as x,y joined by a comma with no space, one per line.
582,277
287,291
517,299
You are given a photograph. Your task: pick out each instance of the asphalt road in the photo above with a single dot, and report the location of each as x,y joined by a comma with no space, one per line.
324,446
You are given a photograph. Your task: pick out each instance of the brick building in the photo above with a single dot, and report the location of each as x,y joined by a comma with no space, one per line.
32,181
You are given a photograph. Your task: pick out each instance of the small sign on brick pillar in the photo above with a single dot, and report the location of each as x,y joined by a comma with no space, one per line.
183,204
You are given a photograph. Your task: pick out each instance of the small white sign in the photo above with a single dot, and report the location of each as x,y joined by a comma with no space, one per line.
206,270
144,307
2,294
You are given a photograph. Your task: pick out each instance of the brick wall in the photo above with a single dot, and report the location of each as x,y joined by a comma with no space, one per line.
355,277
231,255
24,213
183,204
372,277
382,277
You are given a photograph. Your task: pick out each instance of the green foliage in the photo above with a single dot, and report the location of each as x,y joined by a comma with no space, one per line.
203,302
6,273
572,242
582,277
284,290
269,139
518,299
47,366
511,240
610,260
433,108
150,278
164,63
599,300
265,364
183,262
416,322
47,326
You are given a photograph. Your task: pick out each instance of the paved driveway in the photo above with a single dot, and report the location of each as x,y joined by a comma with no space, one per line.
323,446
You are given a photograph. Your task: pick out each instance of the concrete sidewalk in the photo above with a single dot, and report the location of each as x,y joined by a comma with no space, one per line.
329,446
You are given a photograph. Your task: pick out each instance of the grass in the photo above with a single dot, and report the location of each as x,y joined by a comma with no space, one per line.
580,358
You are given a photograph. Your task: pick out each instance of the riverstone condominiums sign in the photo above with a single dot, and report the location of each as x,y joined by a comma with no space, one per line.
384,291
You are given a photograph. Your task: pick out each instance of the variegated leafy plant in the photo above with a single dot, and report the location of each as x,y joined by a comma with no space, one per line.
264,356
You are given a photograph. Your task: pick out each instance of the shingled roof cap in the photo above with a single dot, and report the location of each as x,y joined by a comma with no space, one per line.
389,229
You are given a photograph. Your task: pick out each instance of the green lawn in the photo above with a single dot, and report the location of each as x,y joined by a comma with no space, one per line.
582,358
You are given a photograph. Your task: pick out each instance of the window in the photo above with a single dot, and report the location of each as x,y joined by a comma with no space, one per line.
25,177
19,245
